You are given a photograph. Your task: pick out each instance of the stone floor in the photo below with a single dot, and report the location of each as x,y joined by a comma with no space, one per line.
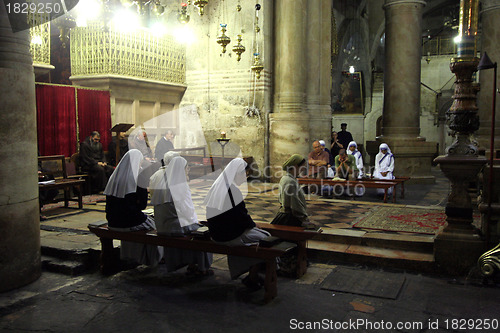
144,300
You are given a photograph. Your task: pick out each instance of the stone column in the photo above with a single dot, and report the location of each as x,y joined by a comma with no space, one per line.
458,247
490,43
401,114
318,57
289,122
19,215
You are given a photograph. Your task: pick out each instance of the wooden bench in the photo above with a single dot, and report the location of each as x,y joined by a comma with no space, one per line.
298,235
399,180
58,170
352,183
189,242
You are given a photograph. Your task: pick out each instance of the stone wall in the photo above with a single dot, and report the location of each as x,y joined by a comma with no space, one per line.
221,88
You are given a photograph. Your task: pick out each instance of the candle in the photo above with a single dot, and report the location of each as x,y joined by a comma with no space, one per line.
223,135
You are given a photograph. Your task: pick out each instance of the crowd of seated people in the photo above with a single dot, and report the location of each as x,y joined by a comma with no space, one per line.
228,219
343,160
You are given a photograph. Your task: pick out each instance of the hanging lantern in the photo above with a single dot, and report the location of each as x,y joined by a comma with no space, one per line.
158,9
257,66
201,5
183,16
223,39
238,48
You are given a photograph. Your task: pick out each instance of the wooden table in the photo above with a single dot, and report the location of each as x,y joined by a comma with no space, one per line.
66,185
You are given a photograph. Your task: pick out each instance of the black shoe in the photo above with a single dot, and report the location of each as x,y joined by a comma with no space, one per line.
253,285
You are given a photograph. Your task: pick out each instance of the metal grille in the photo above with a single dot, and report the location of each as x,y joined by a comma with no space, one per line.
95,50
40,38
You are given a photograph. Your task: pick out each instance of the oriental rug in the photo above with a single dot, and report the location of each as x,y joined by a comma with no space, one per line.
403,219
87,199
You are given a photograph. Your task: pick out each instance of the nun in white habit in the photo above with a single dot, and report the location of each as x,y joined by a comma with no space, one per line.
384,165
229,222
126,197
175,214
353,150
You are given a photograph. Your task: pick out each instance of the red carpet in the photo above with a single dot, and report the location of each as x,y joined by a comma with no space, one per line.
415,220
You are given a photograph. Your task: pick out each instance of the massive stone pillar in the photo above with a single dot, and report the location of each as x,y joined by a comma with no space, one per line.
401,114
318,95
19,215
289,123
490,43
458,247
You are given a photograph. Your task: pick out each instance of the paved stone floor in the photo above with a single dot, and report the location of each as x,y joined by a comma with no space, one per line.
145,300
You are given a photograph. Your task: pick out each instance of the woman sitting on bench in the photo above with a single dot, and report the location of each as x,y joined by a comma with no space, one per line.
175,214
230,224
126,197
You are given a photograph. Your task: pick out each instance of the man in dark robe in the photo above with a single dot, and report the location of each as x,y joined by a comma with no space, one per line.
92,161
344,137
112,148
164,145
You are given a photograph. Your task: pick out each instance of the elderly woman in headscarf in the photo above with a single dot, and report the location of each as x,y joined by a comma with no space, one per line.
126,197
293,203
353,150
230,224
175,214
384,165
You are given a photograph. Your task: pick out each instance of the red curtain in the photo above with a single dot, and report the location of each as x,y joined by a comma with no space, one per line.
94,114
56,120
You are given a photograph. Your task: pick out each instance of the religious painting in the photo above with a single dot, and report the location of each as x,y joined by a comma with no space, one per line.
351,94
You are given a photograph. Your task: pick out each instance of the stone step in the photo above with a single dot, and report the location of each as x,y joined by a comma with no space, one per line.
68,267
405,242
330,252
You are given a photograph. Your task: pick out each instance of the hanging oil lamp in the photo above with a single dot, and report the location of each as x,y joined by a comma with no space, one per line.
239,48
201,5
223,39
257,66
183,16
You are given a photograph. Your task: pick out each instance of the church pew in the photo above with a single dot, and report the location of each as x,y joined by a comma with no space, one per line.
399,180
352,183
189,242
298,235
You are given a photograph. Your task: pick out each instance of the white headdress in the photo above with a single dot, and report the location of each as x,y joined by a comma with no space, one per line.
124,179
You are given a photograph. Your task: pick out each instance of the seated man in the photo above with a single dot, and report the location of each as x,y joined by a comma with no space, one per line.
164,145
318,161
141,143
92,161
123,144
344,164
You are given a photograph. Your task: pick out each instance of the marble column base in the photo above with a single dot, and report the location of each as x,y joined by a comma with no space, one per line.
457,253
413,158
20,239
320,123
288,135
